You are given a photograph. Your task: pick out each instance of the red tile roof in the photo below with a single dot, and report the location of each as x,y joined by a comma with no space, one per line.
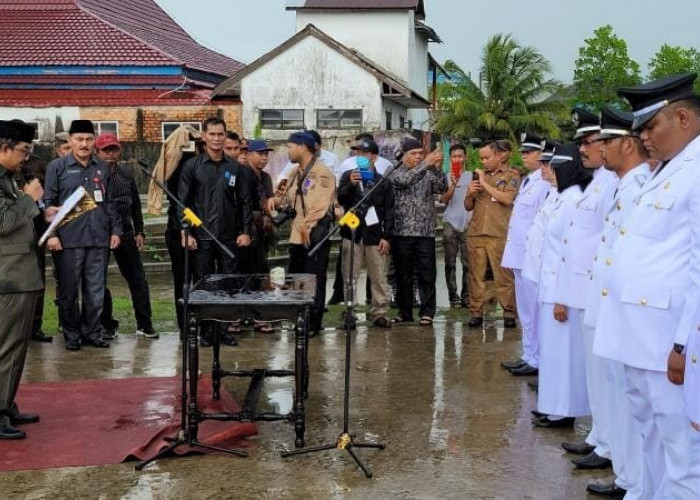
99,33
22,98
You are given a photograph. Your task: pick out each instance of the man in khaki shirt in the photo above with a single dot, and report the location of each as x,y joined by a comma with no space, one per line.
310,191
490,197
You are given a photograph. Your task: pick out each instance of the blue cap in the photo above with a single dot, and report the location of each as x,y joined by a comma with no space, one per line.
258,146
303,138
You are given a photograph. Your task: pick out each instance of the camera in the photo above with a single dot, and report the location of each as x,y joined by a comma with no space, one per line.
283,215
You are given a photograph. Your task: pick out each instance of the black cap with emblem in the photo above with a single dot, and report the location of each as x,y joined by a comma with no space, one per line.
586,123
648,99
615,123
530,142
548,146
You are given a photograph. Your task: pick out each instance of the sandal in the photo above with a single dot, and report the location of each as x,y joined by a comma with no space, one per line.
264,327
426,321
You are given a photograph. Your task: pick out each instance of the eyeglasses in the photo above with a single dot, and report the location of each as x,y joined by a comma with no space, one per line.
27,151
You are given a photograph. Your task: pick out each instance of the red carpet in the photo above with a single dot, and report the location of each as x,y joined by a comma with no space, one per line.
96,422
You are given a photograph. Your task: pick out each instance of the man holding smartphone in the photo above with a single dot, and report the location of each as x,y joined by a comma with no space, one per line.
454,229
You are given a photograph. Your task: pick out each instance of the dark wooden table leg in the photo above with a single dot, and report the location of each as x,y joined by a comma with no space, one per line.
216,366
193,373
307,319
299,379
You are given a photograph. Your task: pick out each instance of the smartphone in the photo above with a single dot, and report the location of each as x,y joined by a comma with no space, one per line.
456,169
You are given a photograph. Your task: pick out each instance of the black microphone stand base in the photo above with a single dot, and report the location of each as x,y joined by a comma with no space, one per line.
183,439
344,442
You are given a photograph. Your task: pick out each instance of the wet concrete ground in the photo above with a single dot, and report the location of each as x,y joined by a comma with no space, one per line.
455,425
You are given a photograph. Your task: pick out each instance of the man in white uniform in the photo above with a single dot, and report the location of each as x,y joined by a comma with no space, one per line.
532,193
651,294
623,154
580,244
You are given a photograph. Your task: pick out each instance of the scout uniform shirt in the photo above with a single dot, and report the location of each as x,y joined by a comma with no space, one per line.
91,228
318,190
491,217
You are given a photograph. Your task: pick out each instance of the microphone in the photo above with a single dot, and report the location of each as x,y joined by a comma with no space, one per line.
29,177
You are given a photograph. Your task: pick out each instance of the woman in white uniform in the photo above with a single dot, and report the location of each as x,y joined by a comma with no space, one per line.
562,394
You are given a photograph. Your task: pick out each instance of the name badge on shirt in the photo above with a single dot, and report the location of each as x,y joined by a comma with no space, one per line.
232,181
98,196
371,218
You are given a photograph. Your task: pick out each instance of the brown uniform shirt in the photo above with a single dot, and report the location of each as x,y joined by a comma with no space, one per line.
490,217
318,190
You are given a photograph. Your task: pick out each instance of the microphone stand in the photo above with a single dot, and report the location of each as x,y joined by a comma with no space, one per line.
345,440
189,413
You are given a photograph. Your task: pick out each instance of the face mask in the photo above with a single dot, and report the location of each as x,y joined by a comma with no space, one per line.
362,162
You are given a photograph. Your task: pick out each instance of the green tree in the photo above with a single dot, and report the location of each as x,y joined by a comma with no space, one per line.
602,67
515,82
673,60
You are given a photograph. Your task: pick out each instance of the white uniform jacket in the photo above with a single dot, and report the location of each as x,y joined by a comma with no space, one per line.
553,246
582,238
651,292
618,211
535,237
531,195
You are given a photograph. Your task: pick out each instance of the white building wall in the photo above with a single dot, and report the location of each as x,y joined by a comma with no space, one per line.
381,36
396,111
45,117
310,76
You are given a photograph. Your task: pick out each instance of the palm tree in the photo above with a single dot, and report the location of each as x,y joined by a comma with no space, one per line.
513,98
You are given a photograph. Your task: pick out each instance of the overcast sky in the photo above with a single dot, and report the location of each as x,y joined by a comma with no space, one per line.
245,29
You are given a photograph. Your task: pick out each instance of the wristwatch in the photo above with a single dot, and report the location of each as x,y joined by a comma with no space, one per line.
678,348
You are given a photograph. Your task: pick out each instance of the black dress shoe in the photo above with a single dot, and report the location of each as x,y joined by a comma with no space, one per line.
73,345
538,414
524,371
98,342
9,432
610,490
475,321
40,336
592,461
24,418
229,340
553,424
509,322
512,365
582,448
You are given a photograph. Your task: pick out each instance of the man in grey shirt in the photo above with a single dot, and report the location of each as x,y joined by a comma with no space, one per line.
454,230
416,181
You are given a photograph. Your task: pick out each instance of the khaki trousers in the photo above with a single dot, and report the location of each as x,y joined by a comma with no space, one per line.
376,271
482,251
15,332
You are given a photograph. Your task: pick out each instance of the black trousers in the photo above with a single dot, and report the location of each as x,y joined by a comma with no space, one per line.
300,262
339,283
173,241
210,259
253,258
81,270
130,265
39,306
414,254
